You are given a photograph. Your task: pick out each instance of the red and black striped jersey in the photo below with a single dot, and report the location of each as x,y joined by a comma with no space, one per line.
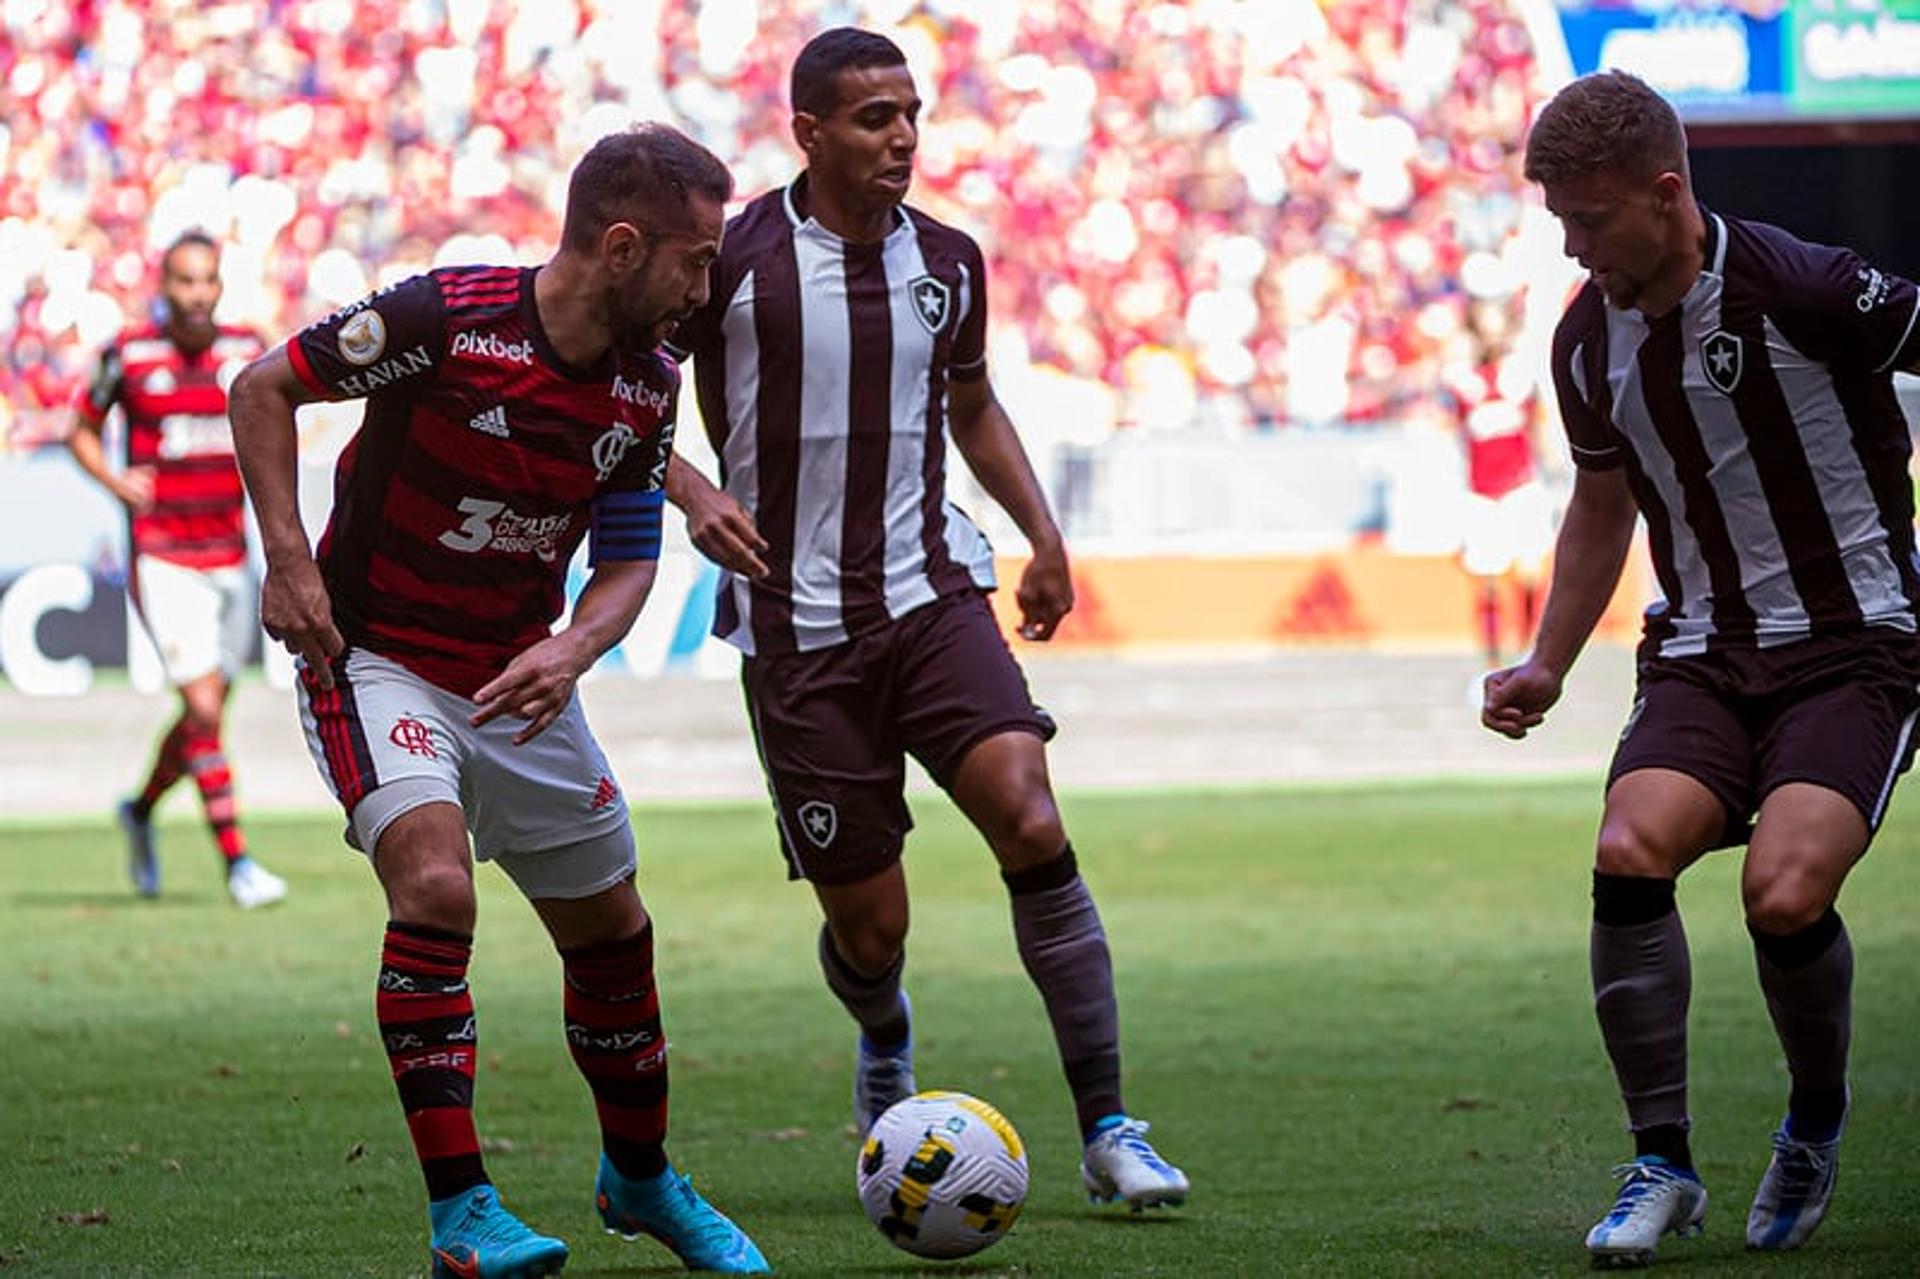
176,408
461,499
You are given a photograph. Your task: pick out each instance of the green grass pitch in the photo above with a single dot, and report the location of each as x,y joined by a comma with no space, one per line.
1358,1017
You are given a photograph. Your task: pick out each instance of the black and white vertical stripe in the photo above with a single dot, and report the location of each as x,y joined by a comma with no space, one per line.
823,386
1777,499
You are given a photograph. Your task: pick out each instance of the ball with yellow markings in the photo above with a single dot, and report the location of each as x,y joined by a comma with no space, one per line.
942,1174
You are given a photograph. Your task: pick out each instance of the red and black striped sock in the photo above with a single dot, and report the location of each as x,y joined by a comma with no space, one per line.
168,767
208,764
426,1021
613,1030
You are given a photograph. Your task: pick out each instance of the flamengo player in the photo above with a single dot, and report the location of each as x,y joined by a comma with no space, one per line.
510,412
845,337
188,575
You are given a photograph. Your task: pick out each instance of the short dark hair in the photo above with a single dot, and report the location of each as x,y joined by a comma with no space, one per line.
1609,121
645,174
193,238
815,84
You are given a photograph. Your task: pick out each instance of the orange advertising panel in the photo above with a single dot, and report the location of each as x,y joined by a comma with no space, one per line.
1360,596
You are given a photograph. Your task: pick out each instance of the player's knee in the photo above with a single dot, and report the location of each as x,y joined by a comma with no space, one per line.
200,720
1624,849
872,945
436,893
1785,903
1028,831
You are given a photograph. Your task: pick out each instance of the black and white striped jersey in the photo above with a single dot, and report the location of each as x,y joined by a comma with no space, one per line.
822,368
1761,436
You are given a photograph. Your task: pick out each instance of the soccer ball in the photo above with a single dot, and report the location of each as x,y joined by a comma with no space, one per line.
942,1174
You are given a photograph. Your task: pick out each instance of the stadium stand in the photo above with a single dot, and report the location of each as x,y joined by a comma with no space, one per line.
1245,214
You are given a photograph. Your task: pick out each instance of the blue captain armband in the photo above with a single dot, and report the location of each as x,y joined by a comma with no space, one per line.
626,526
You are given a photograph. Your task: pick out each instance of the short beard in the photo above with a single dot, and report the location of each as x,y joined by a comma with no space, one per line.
634,335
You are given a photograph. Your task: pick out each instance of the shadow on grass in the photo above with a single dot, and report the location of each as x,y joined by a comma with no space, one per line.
120,901
1133,1220
919,1268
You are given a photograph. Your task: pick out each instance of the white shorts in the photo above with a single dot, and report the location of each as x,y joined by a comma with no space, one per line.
1513,531
549,812
201,619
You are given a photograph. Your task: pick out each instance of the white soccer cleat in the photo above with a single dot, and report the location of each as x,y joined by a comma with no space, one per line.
250,884
1794,1192
1118,1163
1655,1199
880,1080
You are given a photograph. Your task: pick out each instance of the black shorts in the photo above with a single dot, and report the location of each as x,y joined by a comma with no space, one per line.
835,726
1837,711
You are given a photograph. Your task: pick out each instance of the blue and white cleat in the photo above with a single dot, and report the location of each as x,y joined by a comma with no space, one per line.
1795,1191
881,1079
668,1208
142,866
1655,1199
474,1237
1118,1163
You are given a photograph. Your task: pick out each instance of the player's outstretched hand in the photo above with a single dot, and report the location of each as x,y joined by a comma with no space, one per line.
1517,699
536,687
721,530
295,610
1046,593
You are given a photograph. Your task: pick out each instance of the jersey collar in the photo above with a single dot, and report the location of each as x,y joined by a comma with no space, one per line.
795,195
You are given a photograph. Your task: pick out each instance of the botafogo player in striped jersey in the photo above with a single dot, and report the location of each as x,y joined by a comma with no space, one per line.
187,570
844,340
510,412
1732,385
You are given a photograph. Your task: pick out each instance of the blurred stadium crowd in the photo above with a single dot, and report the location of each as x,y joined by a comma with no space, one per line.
1244,212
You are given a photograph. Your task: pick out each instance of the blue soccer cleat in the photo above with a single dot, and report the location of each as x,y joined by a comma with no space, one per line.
1794,1192
1118,1163
1655,1199
142,866
881,1079
668,1208
474,1237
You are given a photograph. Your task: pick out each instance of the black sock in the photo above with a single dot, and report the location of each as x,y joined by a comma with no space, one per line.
873,1002
1642,983
1807,977
1669,1141
1064,950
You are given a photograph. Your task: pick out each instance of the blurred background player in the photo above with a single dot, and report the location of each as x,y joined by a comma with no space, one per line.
510,412
1732,384
1509,518
845,337
188,575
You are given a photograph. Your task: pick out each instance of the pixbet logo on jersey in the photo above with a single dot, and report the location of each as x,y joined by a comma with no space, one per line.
491,346
639,394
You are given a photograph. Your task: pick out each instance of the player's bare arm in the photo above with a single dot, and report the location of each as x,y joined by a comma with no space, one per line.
132,488
720,528
294,607
984,434
1588,557
538,684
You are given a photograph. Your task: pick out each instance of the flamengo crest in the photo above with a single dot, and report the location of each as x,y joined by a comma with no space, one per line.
932,300
1722,359
610,448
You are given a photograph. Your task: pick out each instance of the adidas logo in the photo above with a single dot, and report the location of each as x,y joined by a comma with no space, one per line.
491,421
605,793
